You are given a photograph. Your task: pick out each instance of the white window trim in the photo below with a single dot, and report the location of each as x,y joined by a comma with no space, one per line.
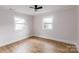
43,26
17,23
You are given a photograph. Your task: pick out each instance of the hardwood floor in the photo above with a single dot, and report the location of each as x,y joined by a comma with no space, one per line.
38,45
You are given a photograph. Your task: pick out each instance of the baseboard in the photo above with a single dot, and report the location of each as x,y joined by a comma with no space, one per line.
13,41
56,39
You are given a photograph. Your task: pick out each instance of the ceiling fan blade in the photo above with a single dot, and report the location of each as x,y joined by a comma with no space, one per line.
40,7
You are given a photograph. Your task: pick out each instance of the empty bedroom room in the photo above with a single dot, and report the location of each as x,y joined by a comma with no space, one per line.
39,28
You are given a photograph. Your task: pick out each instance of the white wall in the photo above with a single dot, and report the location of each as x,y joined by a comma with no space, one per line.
77,27
64,26
8,33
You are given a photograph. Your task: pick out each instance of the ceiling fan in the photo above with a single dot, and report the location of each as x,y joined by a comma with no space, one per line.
36,7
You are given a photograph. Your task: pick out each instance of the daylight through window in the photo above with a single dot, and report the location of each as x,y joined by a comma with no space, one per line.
47,23
19,23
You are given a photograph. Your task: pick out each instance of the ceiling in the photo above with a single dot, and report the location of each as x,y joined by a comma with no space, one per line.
26,10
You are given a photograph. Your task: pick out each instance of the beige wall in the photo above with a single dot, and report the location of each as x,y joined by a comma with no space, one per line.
77,27
8,33
64,25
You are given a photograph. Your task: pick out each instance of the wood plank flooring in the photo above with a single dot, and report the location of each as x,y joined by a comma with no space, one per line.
38,45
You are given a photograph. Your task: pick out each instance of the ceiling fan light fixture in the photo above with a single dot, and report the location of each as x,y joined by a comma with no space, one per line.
36,7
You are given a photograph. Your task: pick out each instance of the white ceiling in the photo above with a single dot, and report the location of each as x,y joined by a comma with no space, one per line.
26,10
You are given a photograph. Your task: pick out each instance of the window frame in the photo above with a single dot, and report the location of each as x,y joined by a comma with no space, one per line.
17,23
45,23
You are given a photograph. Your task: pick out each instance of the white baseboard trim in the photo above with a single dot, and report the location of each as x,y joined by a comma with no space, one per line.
56,39
77,46
13,41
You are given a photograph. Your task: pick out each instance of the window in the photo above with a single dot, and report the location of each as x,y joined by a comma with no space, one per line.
47,23
19,23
